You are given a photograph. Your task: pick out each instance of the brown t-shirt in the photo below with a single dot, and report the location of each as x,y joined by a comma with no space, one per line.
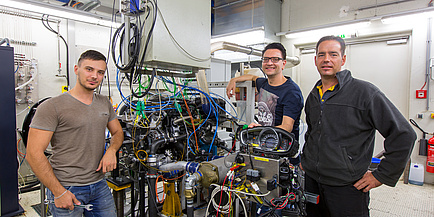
79,136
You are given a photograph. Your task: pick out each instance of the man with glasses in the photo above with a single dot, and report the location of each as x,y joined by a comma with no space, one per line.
279,98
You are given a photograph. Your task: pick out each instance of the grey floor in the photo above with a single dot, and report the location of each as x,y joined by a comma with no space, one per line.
404,200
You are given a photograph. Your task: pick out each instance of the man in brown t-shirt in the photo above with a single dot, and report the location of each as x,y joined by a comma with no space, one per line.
75,124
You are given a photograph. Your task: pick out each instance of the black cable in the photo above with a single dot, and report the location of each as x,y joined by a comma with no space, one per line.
64,41
416,125
30,185
133,65
34,188
138,70
260,68
136,38
108,52
248,149
152,196
133,58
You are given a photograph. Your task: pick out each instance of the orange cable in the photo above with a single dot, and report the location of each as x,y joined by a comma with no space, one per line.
156,190
21,154
192,120
174,178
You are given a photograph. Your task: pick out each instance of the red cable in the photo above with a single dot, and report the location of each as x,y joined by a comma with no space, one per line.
221,194
230,197
423,85
233,145
19,152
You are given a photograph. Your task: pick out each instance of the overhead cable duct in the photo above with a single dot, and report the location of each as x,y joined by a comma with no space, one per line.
221,45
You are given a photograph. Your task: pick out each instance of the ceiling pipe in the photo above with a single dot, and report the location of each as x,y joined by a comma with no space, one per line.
221,45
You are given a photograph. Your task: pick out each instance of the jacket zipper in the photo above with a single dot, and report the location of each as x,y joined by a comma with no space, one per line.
319,139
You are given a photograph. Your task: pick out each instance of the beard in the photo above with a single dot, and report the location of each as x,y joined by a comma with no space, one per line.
87,87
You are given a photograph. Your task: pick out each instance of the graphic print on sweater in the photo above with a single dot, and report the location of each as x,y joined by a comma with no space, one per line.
266,107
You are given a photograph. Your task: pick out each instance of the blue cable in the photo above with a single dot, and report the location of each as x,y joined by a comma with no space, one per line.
233,108
22,160
18,66
209,113
119,88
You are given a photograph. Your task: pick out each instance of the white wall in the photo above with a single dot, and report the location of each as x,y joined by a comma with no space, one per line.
84,36
309,13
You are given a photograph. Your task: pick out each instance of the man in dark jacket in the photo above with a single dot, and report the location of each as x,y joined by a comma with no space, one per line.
343,114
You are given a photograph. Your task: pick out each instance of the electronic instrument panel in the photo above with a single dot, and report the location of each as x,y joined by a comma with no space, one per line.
269,141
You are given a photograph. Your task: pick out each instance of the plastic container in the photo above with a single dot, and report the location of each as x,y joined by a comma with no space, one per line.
416,174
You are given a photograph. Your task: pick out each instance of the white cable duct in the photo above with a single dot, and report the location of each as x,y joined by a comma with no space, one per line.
221,45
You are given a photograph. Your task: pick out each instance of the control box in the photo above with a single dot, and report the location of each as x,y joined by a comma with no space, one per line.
421,94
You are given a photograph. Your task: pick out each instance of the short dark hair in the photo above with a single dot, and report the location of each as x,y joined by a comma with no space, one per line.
276,45
332,38
91,55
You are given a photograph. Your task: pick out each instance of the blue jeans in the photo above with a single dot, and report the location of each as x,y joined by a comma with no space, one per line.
98,194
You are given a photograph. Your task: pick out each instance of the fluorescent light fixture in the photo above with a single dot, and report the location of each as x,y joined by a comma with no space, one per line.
398,41
248,37
343,29
58,11
406,19
234,56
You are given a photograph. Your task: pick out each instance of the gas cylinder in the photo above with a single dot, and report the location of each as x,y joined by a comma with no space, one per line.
430,156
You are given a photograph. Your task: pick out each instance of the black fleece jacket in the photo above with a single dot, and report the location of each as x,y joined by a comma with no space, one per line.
340,137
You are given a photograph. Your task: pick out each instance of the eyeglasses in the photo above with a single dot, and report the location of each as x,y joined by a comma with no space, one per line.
273,59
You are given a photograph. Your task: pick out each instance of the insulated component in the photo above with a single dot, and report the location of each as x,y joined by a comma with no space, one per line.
239,159
255,187
272,183
253,175
285,174
312,198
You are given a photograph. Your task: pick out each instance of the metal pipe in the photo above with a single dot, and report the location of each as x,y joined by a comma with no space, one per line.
43,205
142,196
222,45
59,70
152,193
382,5
119,197
180,165
428,58
5,40
190,208
189,194
157,144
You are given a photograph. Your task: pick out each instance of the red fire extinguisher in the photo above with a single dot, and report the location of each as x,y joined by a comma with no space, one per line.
430,157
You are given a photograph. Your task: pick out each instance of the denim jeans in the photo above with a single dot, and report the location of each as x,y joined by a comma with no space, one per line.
98,194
